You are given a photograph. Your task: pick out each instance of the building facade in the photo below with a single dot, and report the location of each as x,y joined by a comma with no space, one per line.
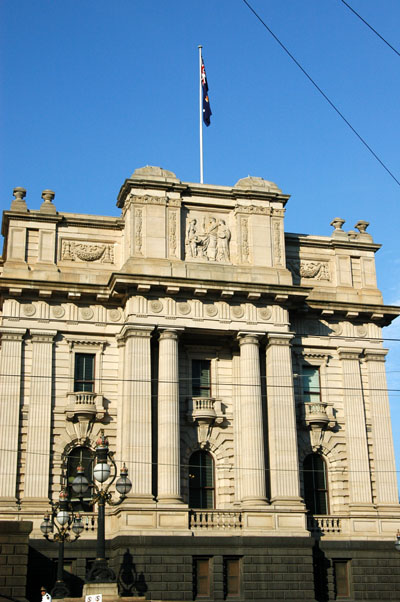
237,370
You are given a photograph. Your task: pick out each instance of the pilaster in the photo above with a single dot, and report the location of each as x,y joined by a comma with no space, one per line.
136,431
10,400
282,428
169,478
251,422
385,467
36,489
356,433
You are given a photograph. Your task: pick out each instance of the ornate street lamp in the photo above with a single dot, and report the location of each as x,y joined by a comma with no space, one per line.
397,542
63,519
102,472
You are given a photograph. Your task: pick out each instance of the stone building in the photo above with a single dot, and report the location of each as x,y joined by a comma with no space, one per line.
238,371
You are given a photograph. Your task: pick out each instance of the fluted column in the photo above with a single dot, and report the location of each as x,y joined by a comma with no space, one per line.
10,391
356,432
251,422
39,417
169,478
136,417
385,467
282,428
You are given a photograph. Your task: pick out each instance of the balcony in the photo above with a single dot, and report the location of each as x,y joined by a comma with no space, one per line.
215,519
84,405
316,415
324,525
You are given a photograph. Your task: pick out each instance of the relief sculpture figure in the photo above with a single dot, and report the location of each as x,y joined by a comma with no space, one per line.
224,236
211,243
192,240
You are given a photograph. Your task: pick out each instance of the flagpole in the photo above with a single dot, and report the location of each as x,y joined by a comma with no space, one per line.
201,118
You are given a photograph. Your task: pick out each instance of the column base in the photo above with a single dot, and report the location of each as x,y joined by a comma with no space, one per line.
106,589
362,507
132,501
286,502
254,502
170,501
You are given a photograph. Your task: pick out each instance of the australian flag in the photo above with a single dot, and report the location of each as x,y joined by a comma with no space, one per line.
206,103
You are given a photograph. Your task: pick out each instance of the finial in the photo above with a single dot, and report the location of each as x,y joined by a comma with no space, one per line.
18,204
47,206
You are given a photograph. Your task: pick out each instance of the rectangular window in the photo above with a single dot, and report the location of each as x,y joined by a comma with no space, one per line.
201,378
311,383
84,372
341,569
201,577
231,577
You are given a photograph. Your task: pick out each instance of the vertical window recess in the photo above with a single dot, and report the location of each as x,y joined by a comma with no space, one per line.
201,480
231,577
201,577
201,380
341,569
311,383
84,372
315,484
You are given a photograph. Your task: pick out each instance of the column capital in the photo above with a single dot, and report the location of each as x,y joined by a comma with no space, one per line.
42,336
12,334
252,338
375,355
134,331
279,338
349,353
169,333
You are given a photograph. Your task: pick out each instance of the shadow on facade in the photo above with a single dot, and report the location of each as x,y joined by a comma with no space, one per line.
130,582
320,568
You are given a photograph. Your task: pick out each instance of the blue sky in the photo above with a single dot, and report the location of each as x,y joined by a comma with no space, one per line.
91,90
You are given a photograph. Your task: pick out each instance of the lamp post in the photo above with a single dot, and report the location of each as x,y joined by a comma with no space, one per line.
63,519
102,472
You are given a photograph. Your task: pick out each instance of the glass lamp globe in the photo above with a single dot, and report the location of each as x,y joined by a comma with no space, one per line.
77,525
62,517
123,484
46,527
101,472
80,484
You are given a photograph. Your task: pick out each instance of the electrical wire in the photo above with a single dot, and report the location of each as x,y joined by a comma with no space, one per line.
334,107
370,27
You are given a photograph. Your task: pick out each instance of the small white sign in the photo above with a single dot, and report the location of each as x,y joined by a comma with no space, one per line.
94,598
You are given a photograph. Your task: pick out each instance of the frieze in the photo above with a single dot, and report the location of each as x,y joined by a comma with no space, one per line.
172,233
87,251
319,270
277,243
208,241
245,248
147,199
138,231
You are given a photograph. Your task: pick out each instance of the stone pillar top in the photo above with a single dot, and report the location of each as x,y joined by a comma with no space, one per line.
18,204
47,205
169,333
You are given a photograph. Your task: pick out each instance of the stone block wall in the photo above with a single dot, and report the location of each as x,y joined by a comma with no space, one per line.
14,549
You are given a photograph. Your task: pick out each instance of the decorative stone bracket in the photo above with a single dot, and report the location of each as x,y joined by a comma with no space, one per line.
317,417
206,412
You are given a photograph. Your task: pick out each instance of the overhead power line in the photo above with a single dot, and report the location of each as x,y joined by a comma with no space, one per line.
314,83
370,27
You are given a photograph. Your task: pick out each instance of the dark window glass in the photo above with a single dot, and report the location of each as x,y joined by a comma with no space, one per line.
311,383
201,577
85,457
231,577
84,372
315,484
201,480
341,570
201,382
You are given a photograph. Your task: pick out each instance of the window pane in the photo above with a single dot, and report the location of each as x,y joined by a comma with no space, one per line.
201,378
202,575
315,484
342,582
311,383
232,569
201,480
84,372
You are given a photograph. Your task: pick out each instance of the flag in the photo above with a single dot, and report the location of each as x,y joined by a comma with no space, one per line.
206,103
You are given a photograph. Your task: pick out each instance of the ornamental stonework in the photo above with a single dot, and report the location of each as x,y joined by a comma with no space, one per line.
87,251
207,239
317,270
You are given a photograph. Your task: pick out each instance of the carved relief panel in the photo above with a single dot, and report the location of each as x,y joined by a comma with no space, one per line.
208,237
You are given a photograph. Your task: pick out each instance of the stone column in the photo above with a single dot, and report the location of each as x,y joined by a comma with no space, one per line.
136,412
385,466
169,478
251,426
10,393
39,418
356,433
282,428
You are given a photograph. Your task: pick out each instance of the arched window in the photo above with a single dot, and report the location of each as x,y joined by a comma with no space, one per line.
315,484
201,480
85,457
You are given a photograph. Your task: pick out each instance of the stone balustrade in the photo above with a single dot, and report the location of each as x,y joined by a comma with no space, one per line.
84,404
215,519
324,524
